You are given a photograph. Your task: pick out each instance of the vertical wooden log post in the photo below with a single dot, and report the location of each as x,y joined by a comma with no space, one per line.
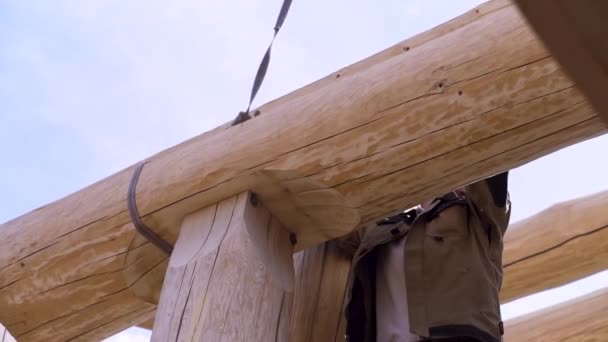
230,277
321,276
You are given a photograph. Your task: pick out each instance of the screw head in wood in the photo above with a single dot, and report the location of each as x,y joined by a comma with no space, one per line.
293,238
253,199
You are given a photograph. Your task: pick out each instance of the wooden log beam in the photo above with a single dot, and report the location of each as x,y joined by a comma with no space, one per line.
581,319
226,279
575,32
563,243
471,98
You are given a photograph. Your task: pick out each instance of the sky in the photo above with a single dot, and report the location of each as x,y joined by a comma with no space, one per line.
90,87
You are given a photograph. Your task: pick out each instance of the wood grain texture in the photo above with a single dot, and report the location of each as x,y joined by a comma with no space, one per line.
575,32
471,98
89,267
321,275
583,320
147,324
219,286
563,243
316,312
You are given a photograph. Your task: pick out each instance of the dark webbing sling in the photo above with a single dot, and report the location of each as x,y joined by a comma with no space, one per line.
263,68
140,226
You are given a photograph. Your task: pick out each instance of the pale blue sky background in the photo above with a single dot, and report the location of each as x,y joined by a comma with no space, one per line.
90,87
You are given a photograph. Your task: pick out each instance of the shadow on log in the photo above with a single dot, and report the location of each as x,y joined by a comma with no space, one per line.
575,32
581,319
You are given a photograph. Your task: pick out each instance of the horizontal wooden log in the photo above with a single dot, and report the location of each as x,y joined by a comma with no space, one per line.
575,32
581,319
471,98
563,243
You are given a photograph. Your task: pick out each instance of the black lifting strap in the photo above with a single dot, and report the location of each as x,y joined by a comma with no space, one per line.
243,116
140,226
259,77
